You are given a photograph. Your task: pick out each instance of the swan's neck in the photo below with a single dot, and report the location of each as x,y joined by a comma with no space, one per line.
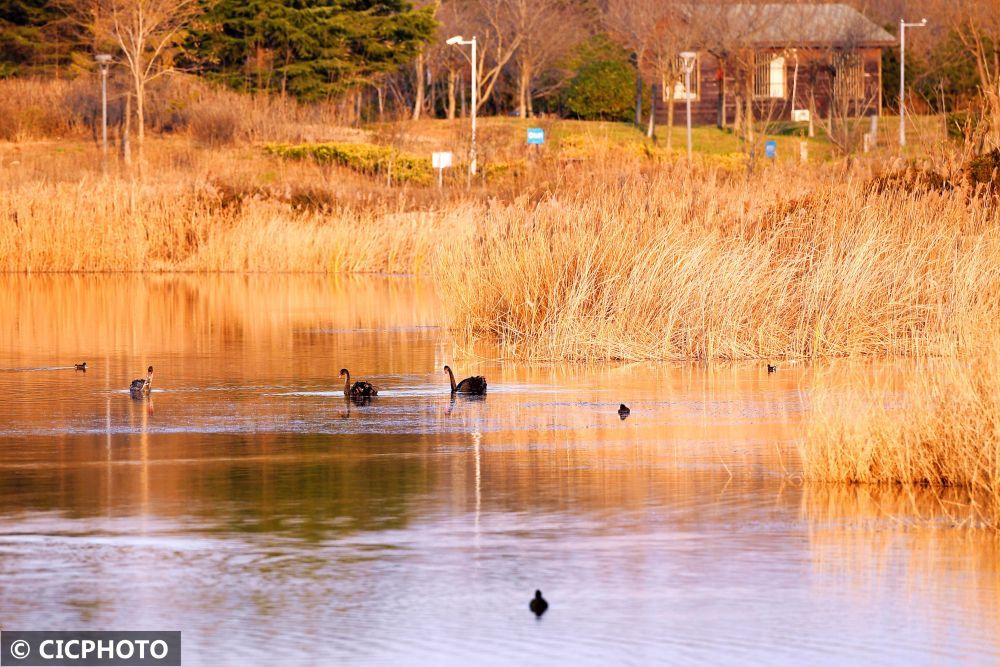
347,383
149,381
452,376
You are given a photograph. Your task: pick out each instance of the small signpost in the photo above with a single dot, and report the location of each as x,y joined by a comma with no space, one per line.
441,161
536,136
771,149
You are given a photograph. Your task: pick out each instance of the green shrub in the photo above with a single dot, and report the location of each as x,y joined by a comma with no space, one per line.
362,158
602,90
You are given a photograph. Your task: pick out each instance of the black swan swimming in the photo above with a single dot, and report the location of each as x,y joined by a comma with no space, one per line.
359,389
473,385
771,369
538,604
623,411
81,366
141,387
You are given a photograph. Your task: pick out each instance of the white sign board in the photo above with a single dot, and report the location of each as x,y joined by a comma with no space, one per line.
441,160
800,116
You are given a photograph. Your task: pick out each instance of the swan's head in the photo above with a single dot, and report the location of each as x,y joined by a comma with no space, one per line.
150,370
538,595
447,369
343,371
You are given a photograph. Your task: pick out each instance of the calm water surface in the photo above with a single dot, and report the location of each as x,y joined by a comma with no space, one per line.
248,505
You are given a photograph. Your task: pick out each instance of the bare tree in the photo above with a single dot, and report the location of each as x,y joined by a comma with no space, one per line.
442,56
549,29
631,23
672,34
145,31
977,24
494,24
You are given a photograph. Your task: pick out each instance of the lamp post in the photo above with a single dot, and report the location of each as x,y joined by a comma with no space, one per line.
688,59
104,62
454,41
903,25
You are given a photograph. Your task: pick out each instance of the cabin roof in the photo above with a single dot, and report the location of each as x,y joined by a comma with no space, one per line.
782,24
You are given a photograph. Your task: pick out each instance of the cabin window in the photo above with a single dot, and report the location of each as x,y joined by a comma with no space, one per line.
680,95
849,76
770,80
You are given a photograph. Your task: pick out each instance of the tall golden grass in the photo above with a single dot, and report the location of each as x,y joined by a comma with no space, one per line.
696,267
635,261
941,430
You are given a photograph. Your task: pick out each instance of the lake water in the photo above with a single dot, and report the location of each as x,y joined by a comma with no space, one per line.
250,506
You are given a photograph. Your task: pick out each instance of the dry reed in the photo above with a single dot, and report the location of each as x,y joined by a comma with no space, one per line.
679,267
940,429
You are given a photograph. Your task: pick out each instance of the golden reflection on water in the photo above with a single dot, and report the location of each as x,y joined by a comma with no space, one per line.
867,538
246,442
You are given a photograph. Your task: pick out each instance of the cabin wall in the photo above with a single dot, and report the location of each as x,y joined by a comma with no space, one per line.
812,84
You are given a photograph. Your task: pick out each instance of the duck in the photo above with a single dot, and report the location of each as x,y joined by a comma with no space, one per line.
82,366
538,604
359,389
471,385
771,369
623,411
141,387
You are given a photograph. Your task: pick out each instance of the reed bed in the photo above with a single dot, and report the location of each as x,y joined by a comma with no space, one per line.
112,226
940,429
679,267
630,262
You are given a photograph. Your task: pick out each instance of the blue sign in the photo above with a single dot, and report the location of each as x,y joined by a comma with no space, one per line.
771,149
536,135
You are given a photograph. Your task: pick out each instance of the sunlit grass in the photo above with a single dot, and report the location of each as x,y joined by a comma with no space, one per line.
679,267
941,430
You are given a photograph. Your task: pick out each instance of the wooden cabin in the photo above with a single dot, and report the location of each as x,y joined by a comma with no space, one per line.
794,61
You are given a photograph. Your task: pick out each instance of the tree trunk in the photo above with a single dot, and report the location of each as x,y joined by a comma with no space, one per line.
738,115
418,103
651,128
670,119
638,100
461,90
126,128
451,93
523,81
381,103
140,121
722,102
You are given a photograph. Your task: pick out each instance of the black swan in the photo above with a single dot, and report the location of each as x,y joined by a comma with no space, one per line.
473,385
81,366
771,369
538,604
140,387
623,411
359,389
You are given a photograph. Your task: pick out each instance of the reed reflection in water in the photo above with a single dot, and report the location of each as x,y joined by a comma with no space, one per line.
249,505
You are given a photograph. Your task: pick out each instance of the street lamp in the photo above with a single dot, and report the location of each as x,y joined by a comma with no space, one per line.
903,25
454,41
688,59
104,62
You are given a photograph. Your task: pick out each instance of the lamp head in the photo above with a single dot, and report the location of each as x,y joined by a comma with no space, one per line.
103,58
457,39
923,21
